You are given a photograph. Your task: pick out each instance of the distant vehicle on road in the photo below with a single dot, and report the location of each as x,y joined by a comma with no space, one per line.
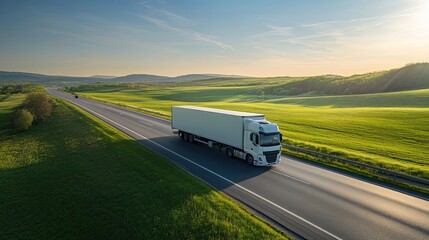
76,96
248,136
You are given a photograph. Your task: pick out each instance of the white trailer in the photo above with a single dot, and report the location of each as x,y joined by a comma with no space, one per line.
244,135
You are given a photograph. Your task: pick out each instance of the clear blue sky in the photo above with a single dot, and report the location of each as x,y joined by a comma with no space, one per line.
256,38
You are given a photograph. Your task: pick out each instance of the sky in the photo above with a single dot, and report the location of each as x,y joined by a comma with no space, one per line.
250,38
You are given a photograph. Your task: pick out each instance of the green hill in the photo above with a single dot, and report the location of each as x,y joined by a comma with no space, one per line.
410,77
53,80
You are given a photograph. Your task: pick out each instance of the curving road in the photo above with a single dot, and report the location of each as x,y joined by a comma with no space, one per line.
310,201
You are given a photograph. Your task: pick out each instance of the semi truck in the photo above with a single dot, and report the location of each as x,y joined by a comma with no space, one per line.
248,136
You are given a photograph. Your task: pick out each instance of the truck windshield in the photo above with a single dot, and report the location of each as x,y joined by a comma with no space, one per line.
270,139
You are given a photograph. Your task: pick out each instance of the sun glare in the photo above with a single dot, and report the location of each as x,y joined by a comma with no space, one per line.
424,16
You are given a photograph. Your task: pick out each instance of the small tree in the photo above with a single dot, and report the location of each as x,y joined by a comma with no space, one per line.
23,120
39,105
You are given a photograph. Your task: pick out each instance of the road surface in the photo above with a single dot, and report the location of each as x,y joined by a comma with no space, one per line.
313,202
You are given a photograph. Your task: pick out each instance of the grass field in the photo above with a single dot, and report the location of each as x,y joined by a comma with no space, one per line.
74,177
8,103
390,130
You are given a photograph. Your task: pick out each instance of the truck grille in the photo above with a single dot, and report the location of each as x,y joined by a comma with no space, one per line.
271,156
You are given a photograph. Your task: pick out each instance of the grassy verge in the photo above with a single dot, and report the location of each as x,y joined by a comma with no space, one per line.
73,176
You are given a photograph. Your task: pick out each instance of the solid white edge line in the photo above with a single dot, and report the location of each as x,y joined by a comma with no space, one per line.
214,173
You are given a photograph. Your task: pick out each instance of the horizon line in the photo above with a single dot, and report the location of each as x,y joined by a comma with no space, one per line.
238,75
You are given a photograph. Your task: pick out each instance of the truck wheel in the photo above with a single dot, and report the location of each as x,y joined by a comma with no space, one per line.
230,152
249,159
185,137
191,138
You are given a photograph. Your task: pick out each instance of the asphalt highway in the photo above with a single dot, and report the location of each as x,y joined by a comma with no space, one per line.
313,202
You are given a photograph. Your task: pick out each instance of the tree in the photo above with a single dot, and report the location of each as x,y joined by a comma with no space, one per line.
39,105
23,120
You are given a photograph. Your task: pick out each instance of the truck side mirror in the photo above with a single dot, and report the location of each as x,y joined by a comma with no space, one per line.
281,137
256,139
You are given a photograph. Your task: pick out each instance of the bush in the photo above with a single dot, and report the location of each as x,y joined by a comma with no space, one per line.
39,105
23,120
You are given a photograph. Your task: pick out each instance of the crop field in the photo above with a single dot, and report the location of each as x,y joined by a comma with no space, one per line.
390,130
73,176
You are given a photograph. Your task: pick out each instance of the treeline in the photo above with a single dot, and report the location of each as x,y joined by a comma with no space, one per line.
412,76
89,87
86,87
19,88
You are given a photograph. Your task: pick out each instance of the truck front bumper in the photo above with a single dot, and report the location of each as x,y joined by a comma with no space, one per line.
262,161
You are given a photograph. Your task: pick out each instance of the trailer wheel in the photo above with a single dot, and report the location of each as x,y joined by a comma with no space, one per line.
249,159
186,137
230,152
191,138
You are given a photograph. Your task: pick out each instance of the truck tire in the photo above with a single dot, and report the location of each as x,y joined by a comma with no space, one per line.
191,138
185,137
249,159
230,152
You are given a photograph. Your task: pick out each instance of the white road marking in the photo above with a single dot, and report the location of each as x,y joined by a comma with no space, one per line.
294,178
214,173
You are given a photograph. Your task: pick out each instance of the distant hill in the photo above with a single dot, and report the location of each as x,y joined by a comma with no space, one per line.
23,77
412,76
103,76
140,78
192,77
156,78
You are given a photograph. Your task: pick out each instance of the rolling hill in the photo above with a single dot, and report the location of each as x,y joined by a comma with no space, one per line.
410,77
23,77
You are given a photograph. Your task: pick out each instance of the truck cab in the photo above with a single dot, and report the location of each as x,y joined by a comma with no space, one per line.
262,142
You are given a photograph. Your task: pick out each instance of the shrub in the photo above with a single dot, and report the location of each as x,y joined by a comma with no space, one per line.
23,120
39,105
